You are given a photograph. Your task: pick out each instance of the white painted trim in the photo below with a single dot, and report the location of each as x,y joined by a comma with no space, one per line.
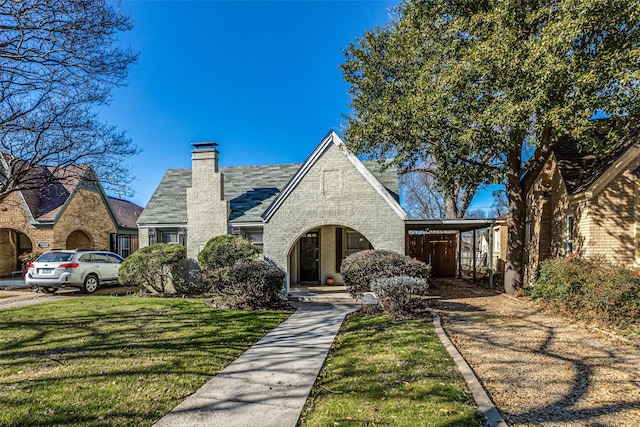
392,202
162,225
614,170
299,175
332,138
247,224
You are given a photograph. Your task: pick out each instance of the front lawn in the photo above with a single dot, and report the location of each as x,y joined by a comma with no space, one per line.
115,361
382,371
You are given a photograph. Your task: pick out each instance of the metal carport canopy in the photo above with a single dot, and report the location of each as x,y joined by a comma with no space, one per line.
461,225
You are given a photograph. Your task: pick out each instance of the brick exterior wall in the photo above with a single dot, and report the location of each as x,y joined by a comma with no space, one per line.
86,212
143,237
207,212
13,218
604,220
332,193
611,219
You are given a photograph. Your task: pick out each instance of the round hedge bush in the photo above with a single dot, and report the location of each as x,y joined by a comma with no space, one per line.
360,269
226,250
400,295
159,268
247,284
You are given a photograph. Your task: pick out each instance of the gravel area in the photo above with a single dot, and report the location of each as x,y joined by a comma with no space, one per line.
540,370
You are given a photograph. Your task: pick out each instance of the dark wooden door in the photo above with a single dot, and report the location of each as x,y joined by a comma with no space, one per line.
438,250
309,258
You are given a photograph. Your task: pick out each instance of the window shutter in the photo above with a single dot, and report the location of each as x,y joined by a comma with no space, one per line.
338,249
113,246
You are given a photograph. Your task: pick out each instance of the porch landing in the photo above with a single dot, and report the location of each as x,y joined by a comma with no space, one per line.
321,294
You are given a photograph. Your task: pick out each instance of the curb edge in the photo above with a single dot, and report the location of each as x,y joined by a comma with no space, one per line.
486,406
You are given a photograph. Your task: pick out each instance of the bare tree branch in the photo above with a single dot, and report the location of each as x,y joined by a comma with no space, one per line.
58,60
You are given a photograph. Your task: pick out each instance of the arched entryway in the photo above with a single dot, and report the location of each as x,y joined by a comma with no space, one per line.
318,253
13,243
79,239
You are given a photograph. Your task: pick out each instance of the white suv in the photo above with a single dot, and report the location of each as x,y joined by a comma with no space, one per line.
78,268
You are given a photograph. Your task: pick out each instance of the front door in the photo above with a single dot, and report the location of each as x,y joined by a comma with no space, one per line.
310,258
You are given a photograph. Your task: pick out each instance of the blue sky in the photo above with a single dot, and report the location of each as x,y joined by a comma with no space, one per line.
261,78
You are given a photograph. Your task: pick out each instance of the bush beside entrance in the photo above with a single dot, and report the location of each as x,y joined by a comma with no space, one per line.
225,251
247,284
360,269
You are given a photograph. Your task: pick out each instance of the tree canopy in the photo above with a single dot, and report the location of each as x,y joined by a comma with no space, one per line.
398,111
58,60
490,86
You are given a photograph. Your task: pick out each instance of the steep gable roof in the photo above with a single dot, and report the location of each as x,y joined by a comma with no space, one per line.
250,190
579,169
45,203
332,138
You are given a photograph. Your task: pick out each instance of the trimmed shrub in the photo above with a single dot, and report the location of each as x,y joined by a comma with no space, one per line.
226,250
590,289
159,268
399,295
247,284
360,269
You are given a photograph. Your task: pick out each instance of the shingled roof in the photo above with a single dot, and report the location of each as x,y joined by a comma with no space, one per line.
126,212
580,169
45,203
249,189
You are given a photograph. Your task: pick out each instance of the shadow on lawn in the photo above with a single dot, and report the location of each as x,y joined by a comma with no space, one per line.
399,368
51,358
511,335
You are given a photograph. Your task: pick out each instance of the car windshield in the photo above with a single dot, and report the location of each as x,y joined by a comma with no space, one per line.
56,257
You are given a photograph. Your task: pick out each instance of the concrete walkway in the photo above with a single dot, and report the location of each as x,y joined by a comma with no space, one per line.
268,384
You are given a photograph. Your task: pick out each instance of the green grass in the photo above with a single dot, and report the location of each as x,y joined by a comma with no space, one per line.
383,371
115,361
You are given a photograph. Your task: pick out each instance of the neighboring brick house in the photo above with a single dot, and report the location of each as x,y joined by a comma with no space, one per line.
69,213
585,205
307,217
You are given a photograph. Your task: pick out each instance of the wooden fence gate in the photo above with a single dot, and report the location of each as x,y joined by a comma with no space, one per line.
439,250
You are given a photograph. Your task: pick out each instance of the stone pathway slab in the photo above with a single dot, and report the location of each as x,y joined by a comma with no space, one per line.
268,384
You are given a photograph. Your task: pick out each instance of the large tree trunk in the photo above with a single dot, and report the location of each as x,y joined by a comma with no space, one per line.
451,208
516,222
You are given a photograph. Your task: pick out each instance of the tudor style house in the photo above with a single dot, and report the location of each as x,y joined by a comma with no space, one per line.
586,205
68,213
307,217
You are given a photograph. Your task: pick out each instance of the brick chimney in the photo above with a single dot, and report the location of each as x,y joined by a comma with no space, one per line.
207,211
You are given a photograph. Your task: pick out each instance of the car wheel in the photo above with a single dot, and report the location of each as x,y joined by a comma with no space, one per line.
47,290
90,284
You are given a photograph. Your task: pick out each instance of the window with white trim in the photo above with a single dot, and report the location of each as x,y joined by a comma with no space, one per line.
570,233
354,242
254,236
169,237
